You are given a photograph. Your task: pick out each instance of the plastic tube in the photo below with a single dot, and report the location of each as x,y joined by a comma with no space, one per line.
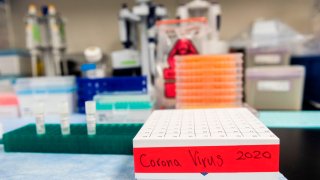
39,115
91,117
65,124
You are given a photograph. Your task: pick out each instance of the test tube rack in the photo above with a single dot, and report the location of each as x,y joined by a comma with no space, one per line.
220,144
109,139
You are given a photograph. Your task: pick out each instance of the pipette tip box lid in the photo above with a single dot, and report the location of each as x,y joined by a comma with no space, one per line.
218,144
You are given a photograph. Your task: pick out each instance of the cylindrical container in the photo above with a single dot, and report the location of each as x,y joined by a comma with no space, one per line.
275,88
91,117
39,115
64,115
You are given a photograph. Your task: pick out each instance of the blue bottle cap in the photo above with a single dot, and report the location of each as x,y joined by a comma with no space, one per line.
88,66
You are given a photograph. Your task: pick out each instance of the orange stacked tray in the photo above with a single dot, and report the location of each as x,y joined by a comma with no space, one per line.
208,81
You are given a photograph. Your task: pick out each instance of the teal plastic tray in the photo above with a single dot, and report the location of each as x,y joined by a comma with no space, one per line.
110,139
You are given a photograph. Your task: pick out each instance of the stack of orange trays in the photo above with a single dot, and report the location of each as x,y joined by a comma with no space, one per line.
209,81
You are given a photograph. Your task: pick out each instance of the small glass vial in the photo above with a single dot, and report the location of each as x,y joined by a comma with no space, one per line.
91,117
39,115
64,115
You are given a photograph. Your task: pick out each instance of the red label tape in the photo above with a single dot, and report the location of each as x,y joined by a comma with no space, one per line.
244,158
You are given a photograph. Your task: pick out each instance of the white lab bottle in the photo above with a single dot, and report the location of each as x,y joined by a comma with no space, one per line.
65,122
91,117
96,68
39,115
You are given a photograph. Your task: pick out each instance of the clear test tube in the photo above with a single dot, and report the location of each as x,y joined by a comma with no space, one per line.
91,117
64,118
39,115
1,131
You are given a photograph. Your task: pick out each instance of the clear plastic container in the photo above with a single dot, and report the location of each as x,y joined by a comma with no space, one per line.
48,90
123,112
123,116
267,56
44,83
15,62
122,96
8,105
176,37
125,107
275,88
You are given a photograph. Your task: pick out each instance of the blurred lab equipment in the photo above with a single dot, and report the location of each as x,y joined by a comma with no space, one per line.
175,37
9,107
126,107
311,62
142,17
96,66
266,43
275,88
308,55
87,88
209,81
15,62
203,8
6,84
212,11
48,90
126,62
45,38
6,28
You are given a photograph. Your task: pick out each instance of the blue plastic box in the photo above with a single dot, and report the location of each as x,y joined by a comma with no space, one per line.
88,88
311,95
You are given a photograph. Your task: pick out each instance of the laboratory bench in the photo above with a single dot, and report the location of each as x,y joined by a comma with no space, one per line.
299,133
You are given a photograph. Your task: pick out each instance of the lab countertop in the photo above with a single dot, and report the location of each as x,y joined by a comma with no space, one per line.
300,157
291,119
64,166
29,166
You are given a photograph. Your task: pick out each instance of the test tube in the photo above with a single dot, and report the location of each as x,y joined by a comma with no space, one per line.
64,115
39,114
91,117
1,131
